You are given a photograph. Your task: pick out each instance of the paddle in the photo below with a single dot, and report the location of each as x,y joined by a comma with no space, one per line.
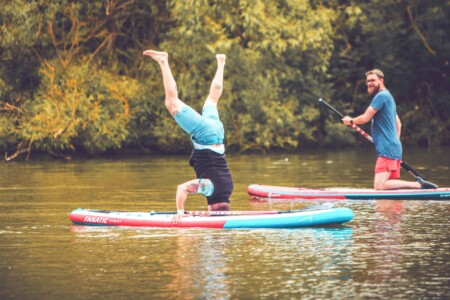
246,212
404,165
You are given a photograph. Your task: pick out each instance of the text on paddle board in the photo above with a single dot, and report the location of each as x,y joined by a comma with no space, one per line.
100,220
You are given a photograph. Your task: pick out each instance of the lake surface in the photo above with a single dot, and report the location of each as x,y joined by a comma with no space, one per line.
390,250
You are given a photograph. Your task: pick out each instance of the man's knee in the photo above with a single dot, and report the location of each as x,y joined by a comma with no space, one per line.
379,186
173,105
212,99
379,182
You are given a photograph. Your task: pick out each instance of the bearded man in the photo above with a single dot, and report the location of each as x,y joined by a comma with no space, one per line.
386,129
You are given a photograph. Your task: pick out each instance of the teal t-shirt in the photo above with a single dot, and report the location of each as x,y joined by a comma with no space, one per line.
384,132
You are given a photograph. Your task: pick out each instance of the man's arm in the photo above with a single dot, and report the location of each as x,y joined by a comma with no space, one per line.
361,119
190,187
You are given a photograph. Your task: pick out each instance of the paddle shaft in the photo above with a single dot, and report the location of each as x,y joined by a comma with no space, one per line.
404,165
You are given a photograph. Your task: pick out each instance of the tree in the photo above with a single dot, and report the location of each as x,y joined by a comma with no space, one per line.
73,77
79,59
277,55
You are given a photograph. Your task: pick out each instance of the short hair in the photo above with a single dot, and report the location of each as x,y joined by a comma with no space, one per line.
377,72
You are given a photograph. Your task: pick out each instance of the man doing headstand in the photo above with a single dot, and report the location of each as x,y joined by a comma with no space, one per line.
214,179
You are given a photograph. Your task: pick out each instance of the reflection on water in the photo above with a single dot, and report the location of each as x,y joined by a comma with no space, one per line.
392,249
199,263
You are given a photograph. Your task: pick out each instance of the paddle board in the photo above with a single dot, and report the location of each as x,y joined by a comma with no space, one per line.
287,219
259,191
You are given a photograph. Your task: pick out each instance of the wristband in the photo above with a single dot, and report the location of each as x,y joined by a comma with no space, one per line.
351,121
180,212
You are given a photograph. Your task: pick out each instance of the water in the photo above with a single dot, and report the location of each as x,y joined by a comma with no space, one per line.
392,249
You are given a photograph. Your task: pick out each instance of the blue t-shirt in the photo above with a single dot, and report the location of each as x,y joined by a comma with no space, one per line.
384,130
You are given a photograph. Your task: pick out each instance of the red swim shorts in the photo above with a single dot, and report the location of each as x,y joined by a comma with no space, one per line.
385,164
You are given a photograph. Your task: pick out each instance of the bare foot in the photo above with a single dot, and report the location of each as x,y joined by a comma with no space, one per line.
221,58
160,57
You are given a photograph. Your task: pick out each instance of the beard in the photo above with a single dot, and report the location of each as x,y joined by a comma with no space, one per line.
375,91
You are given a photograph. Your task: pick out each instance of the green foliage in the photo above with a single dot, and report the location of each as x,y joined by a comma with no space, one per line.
408,40
270,47
73,77
79,108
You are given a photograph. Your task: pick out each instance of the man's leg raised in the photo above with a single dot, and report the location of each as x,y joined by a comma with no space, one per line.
217,84
172,102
